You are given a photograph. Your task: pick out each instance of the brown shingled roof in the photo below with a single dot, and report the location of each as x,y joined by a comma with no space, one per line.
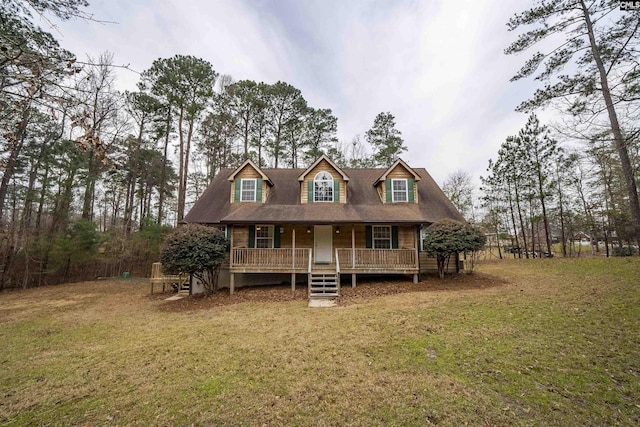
283,203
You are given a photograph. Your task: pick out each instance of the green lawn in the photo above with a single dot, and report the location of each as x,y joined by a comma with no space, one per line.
521,342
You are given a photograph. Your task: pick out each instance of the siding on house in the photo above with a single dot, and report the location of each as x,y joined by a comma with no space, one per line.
406,236
240,236
429,264
303,239
322,166
249,172
398,172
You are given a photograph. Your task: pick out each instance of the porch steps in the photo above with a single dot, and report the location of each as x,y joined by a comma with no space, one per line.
183,288
324,285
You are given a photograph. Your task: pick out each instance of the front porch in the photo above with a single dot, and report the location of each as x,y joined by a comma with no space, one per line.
323,278
323,252
346,260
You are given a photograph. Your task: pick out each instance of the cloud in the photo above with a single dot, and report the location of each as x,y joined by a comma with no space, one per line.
438,66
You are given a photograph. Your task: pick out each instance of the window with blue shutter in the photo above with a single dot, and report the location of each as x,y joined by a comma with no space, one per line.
399,190
264,236
247,189
382,237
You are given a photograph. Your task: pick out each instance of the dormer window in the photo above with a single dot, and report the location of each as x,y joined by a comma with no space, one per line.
400,190
323,187
247,190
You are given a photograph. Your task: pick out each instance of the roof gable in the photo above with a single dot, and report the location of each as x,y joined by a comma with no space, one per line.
398,162
253,165
283,205
328,160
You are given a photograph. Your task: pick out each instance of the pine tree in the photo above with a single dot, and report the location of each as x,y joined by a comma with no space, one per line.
601,48
385,139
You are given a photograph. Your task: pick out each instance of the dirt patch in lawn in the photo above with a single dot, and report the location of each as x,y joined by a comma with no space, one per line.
366,289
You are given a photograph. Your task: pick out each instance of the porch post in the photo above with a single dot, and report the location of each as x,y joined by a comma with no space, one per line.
353,246
232,283
353,254
230,228
416,237
293,257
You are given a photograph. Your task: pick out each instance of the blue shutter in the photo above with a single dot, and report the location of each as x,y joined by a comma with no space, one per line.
336,191
276,236
369,236
394,237
252,236
236,193
310,192
258,190
388,190
410,192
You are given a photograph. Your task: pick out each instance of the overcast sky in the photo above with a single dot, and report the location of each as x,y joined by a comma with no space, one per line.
437,66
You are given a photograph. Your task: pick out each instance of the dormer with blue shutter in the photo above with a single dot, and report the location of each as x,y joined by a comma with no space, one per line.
249,184
398,184
323,182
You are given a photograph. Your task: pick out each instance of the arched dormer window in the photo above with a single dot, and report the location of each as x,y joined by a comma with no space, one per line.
323,187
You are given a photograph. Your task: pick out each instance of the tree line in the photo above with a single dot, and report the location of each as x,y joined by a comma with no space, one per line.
581,177
92,177
537,193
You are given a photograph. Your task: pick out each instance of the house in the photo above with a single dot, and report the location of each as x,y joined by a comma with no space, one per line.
323,222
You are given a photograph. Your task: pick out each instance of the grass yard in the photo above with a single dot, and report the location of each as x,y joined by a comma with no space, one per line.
521,342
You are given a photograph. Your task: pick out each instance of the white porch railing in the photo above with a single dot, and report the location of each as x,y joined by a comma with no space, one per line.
270,259
346,259
377,259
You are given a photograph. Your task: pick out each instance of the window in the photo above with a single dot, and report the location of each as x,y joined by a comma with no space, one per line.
423,231
264,236
381,237
223,230
247,190
323,187
399,190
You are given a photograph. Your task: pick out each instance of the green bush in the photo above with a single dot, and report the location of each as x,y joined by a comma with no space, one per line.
625,251
197,250
447,237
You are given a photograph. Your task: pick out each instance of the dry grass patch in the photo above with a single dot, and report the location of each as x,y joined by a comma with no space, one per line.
519,343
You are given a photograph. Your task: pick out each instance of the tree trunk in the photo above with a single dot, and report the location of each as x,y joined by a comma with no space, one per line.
181,189
513,221
90,182
563,238
185,173
522,228
627,169
43,194
532,223
163,173
16,148
544,210
246,120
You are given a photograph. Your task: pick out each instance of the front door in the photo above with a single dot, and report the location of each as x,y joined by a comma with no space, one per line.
322,243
